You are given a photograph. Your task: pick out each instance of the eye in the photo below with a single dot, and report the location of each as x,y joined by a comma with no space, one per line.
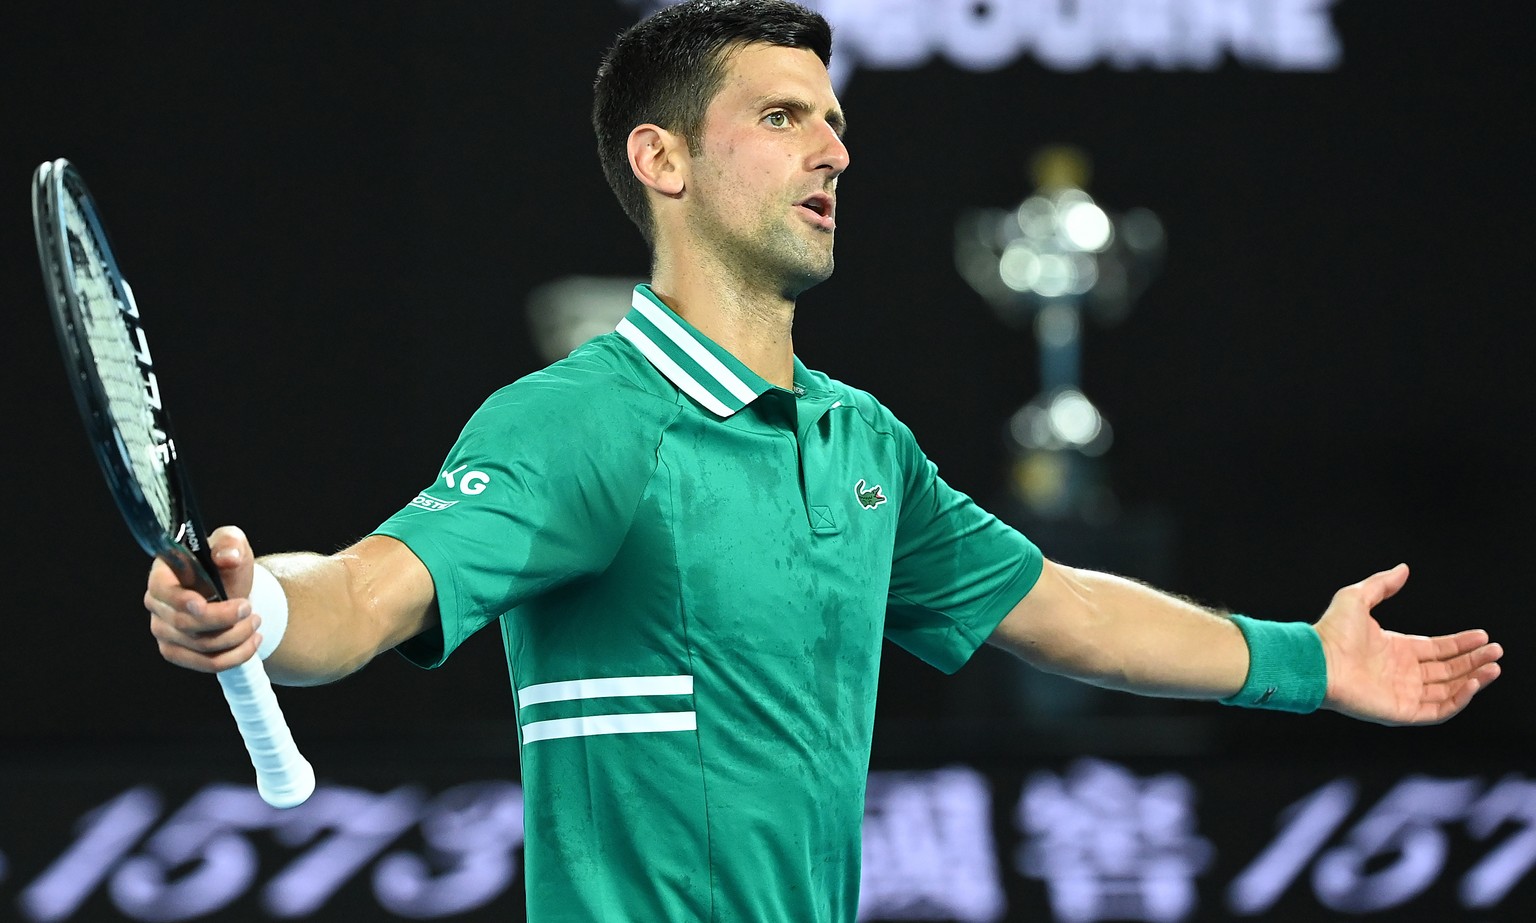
778,118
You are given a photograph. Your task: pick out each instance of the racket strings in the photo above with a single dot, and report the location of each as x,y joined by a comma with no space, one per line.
118,363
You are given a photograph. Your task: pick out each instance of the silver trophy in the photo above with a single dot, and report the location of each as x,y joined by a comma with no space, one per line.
1049,265
1044,265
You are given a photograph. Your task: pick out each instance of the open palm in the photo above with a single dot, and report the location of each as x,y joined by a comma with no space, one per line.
1393,678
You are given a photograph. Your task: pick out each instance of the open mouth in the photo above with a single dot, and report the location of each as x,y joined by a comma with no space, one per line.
821,205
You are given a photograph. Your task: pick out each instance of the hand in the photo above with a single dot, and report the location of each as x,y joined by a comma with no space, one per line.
1391,678
195,633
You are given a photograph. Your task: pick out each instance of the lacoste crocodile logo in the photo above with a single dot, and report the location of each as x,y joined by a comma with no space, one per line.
869,499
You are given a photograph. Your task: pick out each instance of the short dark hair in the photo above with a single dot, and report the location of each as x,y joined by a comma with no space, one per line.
667,68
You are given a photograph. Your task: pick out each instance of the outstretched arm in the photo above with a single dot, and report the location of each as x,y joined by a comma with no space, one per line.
344,609
1120,634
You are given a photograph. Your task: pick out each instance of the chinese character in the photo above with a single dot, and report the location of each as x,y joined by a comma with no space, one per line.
928,848
1111,846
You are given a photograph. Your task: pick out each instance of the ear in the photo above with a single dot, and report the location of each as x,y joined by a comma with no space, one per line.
659,159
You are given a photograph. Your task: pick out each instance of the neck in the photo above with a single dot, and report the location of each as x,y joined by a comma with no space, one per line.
752,323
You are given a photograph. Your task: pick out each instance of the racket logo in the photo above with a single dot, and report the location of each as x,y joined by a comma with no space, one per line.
130,309
162,450
187,535
161,454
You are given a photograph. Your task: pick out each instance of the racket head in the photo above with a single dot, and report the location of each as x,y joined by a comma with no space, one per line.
106,354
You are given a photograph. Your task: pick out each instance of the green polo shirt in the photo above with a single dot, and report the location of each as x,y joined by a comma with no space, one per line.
692,571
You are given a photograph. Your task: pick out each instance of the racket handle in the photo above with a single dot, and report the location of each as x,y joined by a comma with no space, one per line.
283,776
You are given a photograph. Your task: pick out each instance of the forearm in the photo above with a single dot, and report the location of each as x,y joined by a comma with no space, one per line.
337,619
1120,634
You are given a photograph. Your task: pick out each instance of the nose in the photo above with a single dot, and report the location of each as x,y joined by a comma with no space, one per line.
833,153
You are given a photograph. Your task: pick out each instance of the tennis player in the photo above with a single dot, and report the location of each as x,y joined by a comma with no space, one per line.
692,544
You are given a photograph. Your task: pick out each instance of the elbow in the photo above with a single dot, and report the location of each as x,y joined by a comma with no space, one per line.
1060,628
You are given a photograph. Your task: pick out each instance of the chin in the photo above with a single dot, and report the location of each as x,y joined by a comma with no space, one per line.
807,278
817,267
799,263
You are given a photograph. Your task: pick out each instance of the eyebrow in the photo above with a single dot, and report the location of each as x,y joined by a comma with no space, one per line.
834,117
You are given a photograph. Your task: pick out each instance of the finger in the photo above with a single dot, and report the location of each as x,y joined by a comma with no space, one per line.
232,555
163,580
1487,673
165,589
227,537
1455,667
1455,696
1435,693
186,603
210,663
192,614
204,642
216,619
1382,585
1444,647
1463,696
1446,704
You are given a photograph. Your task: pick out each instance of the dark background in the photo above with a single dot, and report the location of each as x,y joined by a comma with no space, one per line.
332,216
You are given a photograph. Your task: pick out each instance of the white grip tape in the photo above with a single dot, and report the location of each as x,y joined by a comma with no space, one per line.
269,601
284,777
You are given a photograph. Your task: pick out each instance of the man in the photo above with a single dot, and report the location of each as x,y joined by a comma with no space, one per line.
694,545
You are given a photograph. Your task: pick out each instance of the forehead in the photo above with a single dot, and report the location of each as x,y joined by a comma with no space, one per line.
756,73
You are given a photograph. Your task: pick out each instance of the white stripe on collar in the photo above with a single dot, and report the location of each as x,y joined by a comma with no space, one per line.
696,350
663,362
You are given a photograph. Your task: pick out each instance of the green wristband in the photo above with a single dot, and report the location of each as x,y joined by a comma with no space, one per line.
1286,668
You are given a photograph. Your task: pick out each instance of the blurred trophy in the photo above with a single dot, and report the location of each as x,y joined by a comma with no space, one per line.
1048,265
1045,264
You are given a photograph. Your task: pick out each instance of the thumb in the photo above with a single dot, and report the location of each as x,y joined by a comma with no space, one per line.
233,557
1382,586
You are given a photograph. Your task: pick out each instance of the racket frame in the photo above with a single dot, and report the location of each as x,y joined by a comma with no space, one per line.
284,778
186,549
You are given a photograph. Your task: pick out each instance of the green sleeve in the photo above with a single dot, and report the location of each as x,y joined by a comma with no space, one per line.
539,490
957,569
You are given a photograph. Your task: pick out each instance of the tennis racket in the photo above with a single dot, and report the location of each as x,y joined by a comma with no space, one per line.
107,356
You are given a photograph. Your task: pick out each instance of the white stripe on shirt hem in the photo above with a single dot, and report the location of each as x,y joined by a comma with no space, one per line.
603,688
592,725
